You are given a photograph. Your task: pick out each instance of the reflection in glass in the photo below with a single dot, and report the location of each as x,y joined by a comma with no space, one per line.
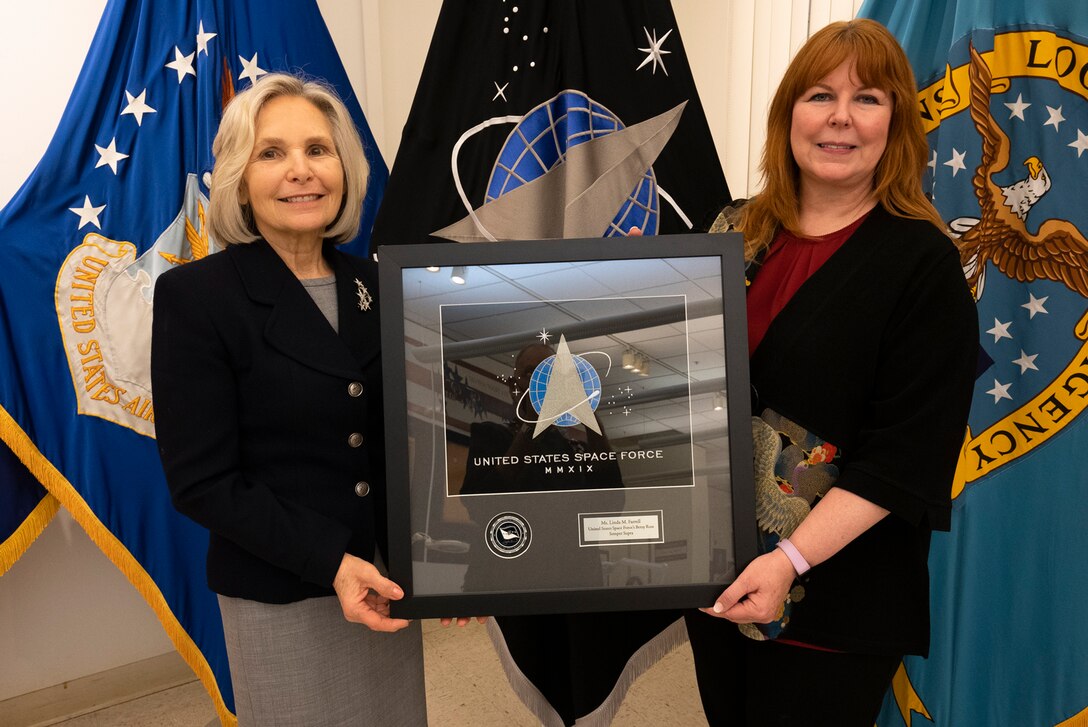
555,390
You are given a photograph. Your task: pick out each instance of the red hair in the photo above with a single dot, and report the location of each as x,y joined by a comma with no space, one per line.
897,181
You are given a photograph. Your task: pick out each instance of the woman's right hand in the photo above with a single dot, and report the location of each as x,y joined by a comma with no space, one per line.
365,594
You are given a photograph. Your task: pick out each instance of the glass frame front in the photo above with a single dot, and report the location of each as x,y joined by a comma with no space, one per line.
568,429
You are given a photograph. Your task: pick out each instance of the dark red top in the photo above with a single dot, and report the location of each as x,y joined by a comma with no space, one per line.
789,262
787,265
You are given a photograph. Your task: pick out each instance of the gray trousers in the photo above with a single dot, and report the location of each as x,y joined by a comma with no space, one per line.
302,665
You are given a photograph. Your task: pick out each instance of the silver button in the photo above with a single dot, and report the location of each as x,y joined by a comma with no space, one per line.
355,389
355,440
362,488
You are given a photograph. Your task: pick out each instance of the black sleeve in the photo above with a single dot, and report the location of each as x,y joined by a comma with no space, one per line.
916,419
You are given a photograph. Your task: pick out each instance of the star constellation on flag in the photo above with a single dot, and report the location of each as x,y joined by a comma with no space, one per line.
654,53
1026,361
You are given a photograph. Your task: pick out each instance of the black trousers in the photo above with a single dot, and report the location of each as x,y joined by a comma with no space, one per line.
746,683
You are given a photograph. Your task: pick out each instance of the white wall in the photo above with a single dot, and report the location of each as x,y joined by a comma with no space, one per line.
65,612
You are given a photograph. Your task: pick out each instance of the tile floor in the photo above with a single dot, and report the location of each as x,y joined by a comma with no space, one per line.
465,688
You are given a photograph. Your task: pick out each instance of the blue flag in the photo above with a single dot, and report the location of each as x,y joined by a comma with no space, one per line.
119,197
27,508
1003,91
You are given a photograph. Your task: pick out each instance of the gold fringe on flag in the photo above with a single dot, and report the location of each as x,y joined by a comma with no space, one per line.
18,542
61,490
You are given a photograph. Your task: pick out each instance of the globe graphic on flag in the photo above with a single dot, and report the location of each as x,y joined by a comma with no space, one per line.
540,141
542,374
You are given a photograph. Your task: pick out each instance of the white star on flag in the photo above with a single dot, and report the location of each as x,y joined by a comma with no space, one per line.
202,39
88,213
956,162
933,162
1035,305
1081,144
1000,330
1026,362
654,52
1016,109
183,64
109,155
137,106
250,69
1056,117
1000,391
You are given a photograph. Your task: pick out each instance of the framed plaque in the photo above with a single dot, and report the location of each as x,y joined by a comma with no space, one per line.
567,424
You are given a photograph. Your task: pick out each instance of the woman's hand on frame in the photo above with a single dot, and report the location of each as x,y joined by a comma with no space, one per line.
365,594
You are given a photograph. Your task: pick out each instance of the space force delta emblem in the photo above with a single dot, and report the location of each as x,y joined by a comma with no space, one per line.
1019,220
564,390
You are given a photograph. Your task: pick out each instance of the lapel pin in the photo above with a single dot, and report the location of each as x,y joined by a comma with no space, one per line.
365,298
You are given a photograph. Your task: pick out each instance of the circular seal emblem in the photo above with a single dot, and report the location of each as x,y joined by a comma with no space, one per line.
508,535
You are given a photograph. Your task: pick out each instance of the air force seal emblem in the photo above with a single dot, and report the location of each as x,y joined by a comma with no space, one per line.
104,293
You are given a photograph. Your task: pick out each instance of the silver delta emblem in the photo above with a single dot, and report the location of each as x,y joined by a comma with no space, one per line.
365,298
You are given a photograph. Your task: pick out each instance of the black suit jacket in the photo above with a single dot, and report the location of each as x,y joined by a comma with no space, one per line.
256,401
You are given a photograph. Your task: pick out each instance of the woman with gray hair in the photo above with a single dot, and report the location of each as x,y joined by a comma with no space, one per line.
267,379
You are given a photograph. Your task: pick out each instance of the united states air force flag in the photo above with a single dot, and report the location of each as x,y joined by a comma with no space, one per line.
27,508
119,197
1003,90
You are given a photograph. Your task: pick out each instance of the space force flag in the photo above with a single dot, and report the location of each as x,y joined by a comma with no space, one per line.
553,119
557,119
1003,93
119,197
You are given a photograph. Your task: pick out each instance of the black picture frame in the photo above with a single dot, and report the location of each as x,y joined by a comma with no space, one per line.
427,549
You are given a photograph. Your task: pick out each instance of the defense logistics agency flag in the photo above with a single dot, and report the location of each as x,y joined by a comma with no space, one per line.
558,118
118,198
1004,99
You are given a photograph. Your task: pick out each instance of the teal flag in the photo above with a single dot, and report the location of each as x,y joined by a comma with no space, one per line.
1003,91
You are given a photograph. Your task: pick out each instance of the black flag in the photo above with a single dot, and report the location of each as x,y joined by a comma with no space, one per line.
565,118
510,88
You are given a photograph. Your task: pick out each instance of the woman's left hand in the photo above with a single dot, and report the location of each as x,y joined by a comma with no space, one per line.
759,591
365,594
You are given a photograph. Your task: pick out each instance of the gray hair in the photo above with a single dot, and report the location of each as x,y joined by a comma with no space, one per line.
229,221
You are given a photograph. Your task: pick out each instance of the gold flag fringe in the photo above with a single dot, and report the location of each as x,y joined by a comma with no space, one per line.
61,490
649,654
16,544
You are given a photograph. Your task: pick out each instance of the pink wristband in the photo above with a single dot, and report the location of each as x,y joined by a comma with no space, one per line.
799,563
